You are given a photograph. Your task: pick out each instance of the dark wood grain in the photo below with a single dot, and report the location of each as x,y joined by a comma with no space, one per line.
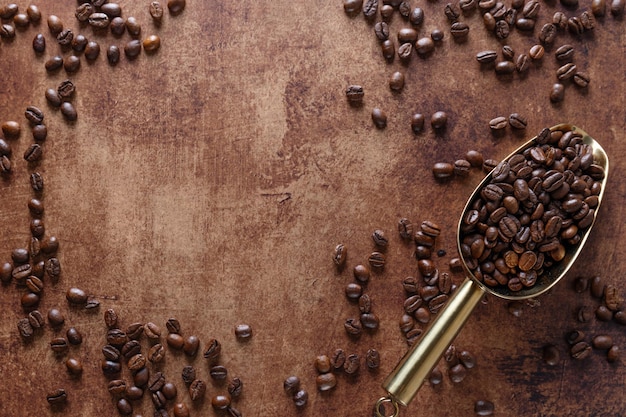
211,181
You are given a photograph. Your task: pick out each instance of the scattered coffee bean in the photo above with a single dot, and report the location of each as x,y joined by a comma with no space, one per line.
76,296
57,397
243,332
188,374
326,381
197,389
580,350
379,117
300,398
483,408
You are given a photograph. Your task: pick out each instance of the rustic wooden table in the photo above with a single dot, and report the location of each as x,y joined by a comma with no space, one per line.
211,181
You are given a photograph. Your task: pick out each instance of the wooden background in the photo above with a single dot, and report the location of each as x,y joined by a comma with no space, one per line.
211,181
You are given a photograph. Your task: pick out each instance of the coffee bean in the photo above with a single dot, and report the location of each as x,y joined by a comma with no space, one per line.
396,81
156,382
377,260
113,55
57,397
353,327
459,31
124,407
235,387
300,398
25,328
604,314
76,296
191,345
151,44
372,359
21,20
92,50
405,51
381,30
218,372
188,374
33,12
580,350
597,287
59,345
325,382
55,317
130,348
369,321
379,117
337,359
111,353
74,366
11,129
197,389
117,387
221,401
557,94
340,254
36,320
291,385
352,364
141,377
457,373
39,43
132,49
213,350
7,31
603,342
486,57
435,377
417,123
173,325
517,121
483,408
442,170
439,120
156,12
176,7
68,111
581,79
152,331
461,168
243,332
134,331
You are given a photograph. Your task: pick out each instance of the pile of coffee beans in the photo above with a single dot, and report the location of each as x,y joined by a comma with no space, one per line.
536,204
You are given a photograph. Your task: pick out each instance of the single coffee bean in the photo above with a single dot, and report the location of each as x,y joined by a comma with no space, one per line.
141,377
457,373
175,341
377,260
151,44
55,317
337,359
116,337
34,14
581,79
396,81
352,364
39,43
181,409
156,382
355,94
365,304
117,387
152,331
300,398
173,325
438,120
218,372
405,51
134,331
74,366
188,374
110,318
156,353
326,382
130,348
372,359
76,296
113,55
74,336
59,345
92,50
68,111
191,345
340,255
291,385
459,31
379,117
25,329
381,30
65,38
604,314
83,11
613,298
156,12
57,397
235,387
597,287
124,407
353,327
369,321
213,350
111,353
33,153
557,94
517,121
580,350
132,49
197,389
7,31
435,377
603,342
54,24
483,408
222,401
243,332
442,170
176,7
54,63
71,63
133,26
36,319
169,391
486,57
462,168
117,26
53,97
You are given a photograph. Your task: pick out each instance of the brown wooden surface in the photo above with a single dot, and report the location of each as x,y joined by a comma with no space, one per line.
211,181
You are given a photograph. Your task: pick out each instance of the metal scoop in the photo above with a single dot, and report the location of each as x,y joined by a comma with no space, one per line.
408,376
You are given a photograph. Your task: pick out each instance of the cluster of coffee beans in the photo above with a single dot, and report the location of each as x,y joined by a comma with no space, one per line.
516,121
346,363
124,347
293,388
424,296
61,97
443,171
536,203
457,363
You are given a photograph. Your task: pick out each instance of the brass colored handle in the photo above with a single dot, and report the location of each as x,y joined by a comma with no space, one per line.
409,375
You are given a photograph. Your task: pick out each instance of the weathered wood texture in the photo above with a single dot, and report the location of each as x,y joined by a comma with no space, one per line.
210,182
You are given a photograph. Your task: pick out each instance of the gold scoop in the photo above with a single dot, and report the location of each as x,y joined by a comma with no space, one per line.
409,374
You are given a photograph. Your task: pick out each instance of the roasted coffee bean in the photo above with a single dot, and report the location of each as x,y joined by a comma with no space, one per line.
405,51
355,94
388,49
57,397
352,364
65,38
74,366
370,9
33,153
59,345
117,26
435,377
197,389
33,12
502,29
353,327
176,7
36,320
8,11
243,332
459,31
156,353
498,123
377,260
40,132
92,50
21,20
111,353
156,11
124,407
99,20
116,337
117,387
29,300
132,49
74,336
55,317
565,72
222,401
369,321
604,314
156,382
381,30
173,325
130,348
133,393
7,31
602,341
11,129
213,350
76,296
443,170
68,111
291,385
486,57
353,291
597,287
218,372
461,168
581,79
580,350
133,26
53,97
452,12
141,377
175,341
111,367
151,44
575,26
517,121
54,63
191,345
457,373
300,398
188,374
340,254
235,387
613,354
337,359
557,94
20,256
113,54
483,408
169,391
71,63
325,382
152,331
39,43
110,318
504,68
379,117
613,298
439,120
396,81
365,304
417,123
83,11
372,359
134,331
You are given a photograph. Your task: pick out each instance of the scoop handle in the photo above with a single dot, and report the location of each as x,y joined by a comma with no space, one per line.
409,374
